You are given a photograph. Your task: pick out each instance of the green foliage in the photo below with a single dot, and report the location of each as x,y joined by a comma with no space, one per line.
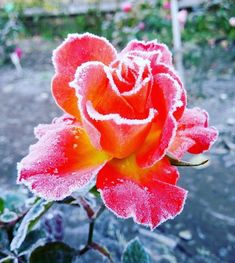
12,206
1,205
25,239
135,253
59,27
31,240
29,221
146,21
210,23
8,216
15,202
4,241
53,252
10,29
8,259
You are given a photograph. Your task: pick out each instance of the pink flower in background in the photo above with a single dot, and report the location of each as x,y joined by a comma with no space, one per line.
182,17
166,5
232,21
16,56
141,26
18,51
126,7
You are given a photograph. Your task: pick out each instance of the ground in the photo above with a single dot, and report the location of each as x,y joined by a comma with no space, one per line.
204,232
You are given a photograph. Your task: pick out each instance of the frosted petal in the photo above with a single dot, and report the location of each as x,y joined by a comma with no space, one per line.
193,135
62,161
143,195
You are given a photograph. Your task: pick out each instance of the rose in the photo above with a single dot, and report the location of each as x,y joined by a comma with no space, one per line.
166,5
125,112
18,51
141,26
126,7
232,21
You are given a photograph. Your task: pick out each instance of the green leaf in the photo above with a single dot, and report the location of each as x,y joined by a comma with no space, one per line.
95,192
14,202
4,241
135,253
8,259
29,221
53,252
31,241
8,216
177,162
1,205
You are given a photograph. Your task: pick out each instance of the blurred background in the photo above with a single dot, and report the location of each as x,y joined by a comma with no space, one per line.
31,29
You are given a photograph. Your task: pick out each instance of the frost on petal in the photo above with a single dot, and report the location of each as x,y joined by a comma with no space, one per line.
182,99
152,50
64,95
133,78
193,135
62,161
149,195
65,119
166,94
101,105
120,137
74,51
156,142
93,82
81,48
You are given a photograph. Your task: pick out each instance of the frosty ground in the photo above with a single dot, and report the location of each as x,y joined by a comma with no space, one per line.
204,232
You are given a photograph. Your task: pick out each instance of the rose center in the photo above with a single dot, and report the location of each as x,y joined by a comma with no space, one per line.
129,72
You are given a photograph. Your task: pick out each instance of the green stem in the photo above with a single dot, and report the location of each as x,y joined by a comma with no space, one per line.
89,239
91,230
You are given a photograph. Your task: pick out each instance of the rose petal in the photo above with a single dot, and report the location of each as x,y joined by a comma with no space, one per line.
157,142
149,196
93,82
102,105
64,95
65,119
166,94
74,51
193,134
135,87
182,99
62,161
152,50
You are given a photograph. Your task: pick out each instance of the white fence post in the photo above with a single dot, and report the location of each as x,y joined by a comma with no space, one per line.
177,39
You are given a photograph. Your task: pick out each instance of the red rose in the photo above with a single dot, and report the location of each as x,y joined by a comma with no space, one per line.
126,111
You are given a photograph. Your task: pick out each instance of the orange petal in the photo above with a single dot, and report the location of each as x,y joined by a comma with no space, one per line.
166,94
152,50
149,195
102,105
62,161
193,135
74,51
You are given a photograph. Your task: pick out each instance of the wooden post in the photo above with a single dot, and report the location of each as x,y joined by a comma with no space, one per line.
177,39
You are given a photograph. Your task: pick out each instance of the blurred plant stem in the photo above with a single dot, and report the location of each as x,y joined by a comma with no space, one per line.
93,216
